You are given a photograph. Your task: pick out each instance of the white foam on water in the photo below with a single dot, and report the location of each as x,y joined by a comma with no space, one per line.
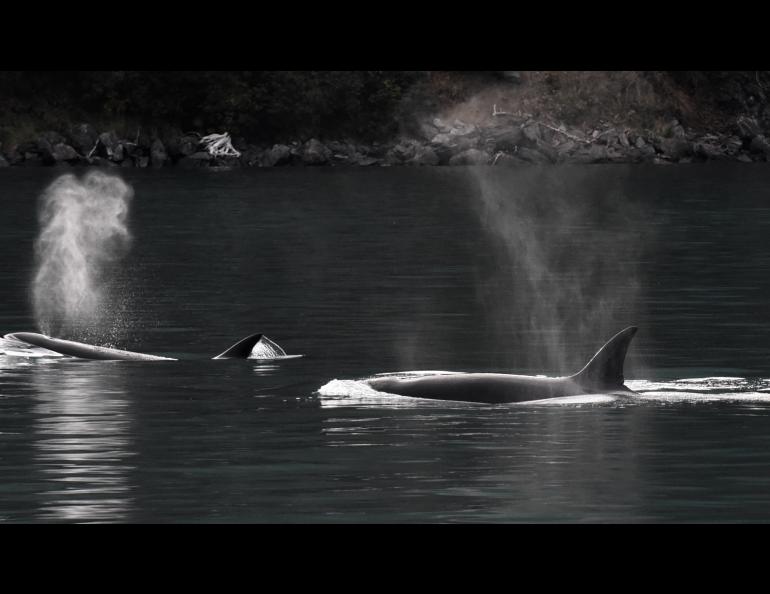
16,348
573,400
702,390
358,393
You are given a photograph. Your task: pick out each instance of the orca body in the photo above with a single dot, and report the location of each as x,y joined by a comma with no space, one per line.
256,346
602,374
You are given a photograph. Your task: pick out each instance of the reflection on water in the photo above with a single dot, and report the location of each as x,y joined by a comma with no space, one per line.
82,441
483,463
266,369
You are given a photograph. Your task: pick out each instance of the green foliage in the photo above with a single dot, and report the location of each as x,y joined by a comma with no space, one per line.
260,105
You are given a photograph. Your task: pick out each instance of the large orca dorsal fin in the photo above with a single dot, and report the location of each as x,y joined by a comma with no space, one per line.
241,349
605,370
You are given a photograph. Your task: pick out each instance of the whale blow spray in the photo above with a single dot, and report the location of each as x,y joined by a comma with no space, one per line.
569,246
83,236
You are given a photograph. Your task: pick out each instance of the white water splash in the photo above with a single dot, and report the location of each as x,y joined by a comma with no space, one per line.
83,236
340,393
702,390
16,348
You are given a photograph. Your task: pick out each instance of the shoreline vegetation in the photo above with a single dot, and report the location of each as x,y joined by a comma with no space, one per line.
500,118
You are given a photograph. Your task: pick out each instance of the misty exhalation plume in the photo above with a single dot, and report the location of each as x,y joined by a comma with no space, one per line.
83,234
569,258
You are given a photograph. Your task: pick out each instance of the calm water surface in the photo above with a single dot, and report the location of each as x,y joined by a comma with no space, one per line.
386,270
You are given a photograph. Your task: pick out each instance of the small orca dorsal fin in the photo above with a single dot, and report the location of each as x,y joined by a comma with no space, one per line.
605,370
241,349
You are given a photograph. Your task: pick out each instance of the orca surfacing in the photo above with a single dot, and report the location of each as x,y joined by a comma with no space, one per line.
602,374
243,349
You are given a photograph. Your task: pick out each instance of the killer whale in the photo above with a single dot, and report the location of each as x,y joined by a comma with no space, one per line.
602,374
243,349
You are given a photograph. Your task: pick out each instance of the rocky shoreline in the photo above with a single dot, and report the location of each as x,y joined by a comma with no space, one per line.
504,140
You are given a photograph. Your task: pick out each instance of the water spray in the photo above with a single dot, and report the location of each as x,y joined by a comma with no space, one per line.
83,236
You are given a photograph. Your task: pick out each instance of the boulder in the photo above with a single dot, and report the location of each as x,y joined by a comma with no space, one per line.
708,151
531,132
108,143
315,153
647,152
143,141
376,149
193,161
592,153
363,160
43,146
575,133
443,152
441,125
251,156
425,155
3,162
341,149
119,152
102,162
13,155
732,145
50,138
229,162
678,131
279,154
547,151
32,158
470,157
506,139
674,129
617,154
82,138
675,148
27,147
532,156
158,154
748,127
182,146
464,143
427,131
64,152
442,139
239,143
565,149
404,150
130,149
462,129
760,144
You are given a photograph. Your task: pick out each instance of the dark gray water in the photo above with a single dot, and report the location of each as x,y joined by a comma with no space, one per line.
385,270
